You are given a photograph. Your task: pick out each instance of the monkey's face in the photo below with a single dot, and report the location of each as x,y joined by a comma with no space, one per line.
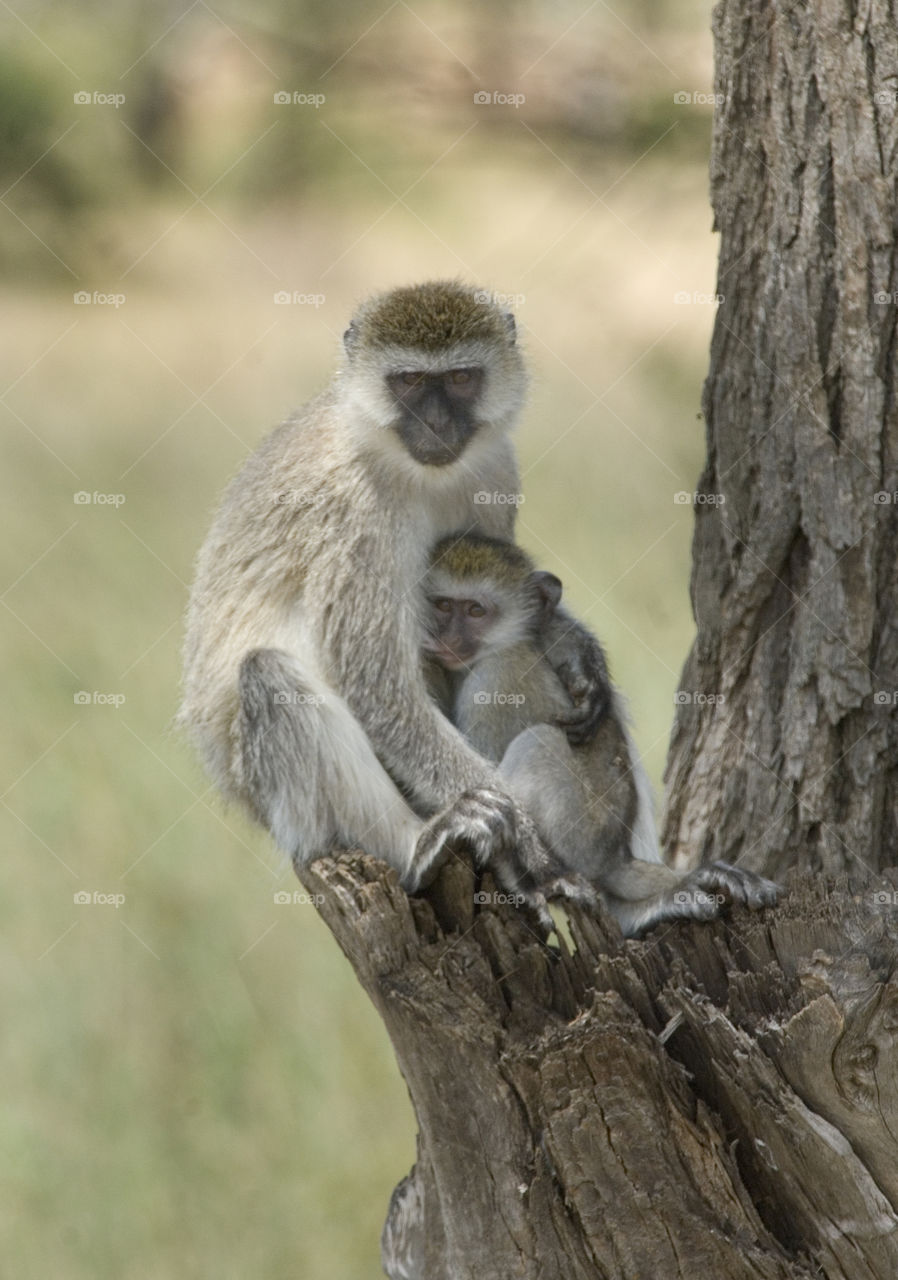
436,412
458,629
483,595
432,376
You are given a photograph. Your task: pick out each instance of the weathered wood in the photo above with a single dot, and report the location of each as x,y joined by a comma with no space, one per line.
564,1134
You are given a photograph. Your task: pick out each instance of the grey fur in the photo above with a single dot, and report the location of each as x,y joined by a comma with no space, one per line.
592,803
303,688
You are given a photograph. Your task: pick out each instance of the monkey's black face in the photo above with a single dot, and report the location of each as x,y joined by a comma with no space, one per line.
458,629
435,412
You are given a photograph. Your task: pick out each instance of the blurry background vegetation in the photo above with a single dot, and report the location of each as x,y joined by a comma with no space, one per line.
193,1084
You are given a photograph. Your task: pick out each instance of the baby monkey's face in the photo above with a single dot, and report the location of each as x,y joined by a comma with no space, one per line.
458,628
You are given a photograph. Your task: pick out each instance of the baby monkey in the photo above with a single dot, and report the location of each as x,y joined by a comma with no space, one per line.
487,609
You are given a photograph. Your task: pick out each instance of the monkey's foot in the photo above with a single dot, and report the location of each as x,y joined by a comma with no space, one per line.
703,894
481,820
735,883
574,888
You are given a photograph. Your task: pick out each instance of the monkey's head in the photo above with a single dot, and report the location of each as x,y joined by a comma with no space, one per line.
433,367
483,595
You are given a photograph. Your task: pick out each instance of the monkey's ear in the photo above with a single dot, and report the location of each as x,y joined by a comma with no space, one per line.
351,339
548,589
510,326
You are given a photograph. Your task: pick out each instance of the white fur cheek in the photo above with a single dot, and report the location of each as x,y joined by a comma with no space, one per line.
368,406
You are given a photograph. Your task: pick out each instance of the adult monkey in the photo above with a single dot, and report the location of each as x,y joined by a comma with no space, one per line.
303,686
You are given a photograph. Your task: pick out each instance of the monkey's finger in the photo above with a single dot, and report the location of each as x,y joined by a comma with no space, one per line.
482,821
574,888
576,682
431,852
490,814
582,723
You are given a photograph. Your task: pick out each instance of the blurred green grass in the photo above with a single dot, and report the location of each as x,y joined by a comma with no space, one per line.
194,1084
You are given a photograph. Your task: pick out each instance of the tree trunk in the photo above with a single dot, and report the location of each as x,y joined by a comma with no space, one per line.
794,761
720,1100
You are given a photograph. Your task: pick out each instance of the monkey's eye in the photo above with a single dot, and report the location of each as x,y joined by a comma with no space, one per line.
476,611
411,379
442,606
458,377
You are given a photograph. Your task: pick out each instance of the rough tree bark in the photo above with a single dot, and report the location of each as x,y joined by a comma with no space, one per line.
720,1099
795,574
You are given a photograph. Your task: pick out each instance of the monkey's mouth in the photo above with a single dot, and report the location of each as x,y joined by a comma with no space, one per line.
442,654
434,447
